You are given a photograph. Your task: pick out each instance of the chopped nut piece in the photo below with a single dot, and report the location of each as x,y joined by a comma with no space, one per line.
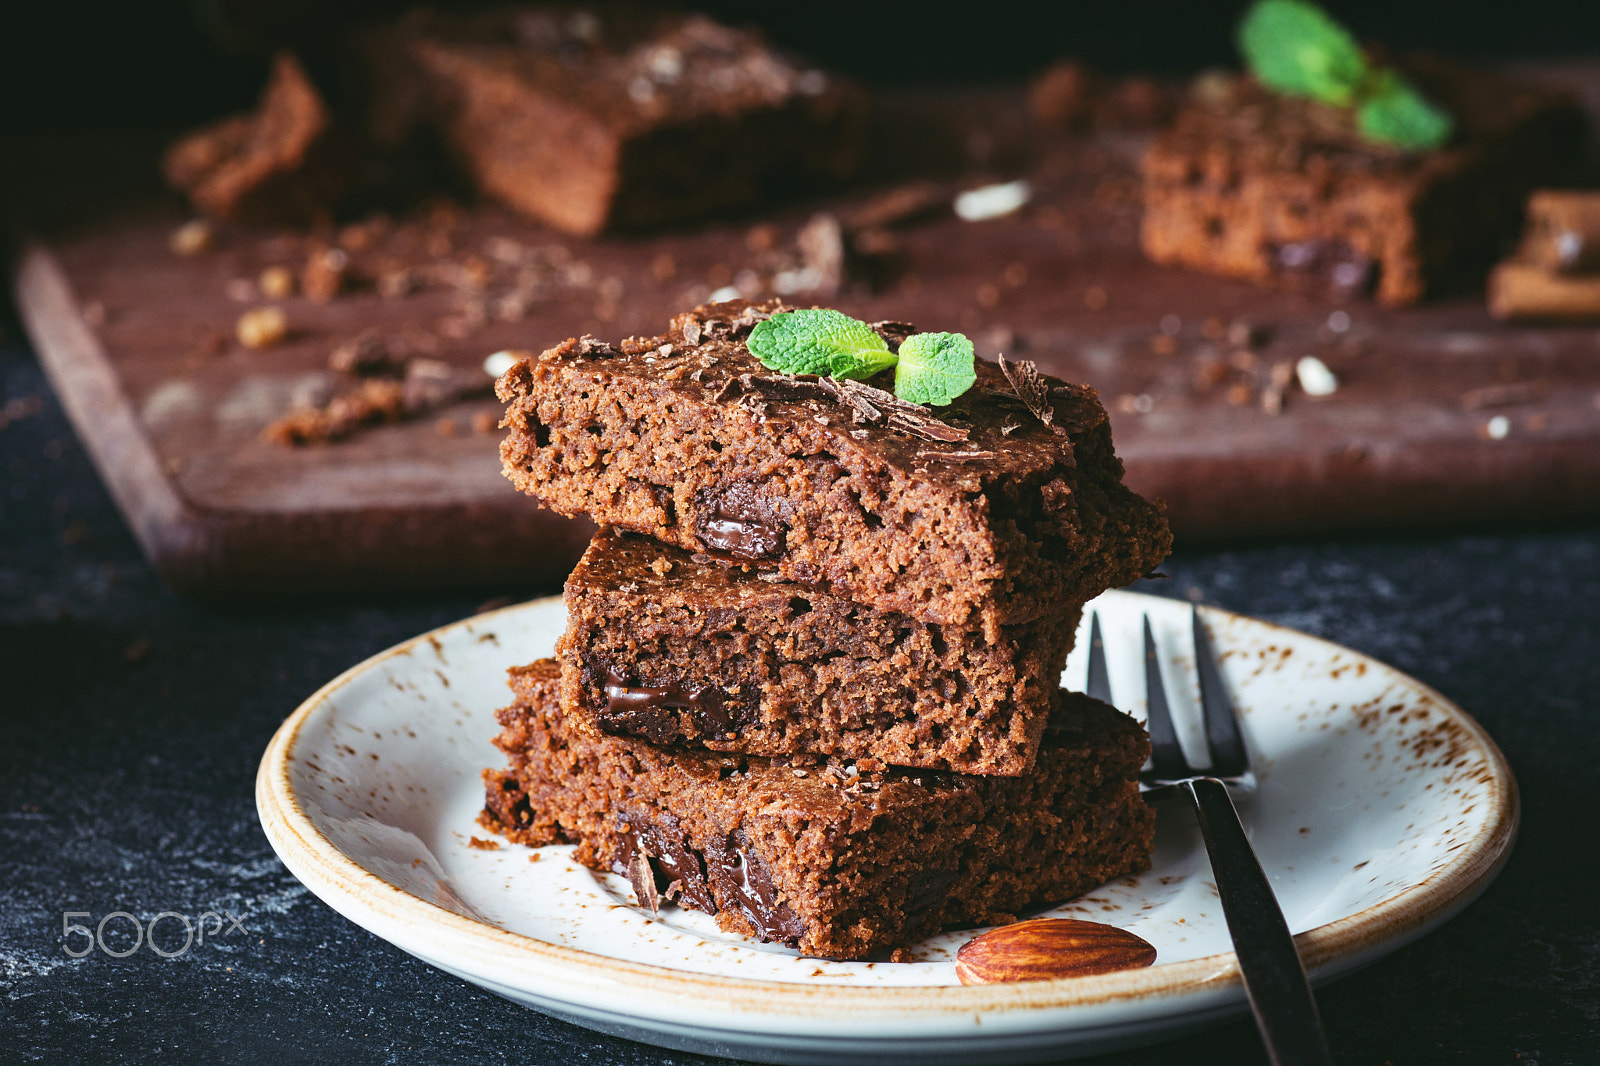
262,327
276,283
992,201
498,363
395,283
325,274
192,238
1315,377
1050,948
1277,385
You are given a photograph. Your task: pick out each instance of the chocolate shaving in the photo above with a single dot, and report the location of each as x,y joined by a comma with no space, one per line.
894,333
755,405
593,346
974,456
1030,388
753,390
747,320
643,879
876,405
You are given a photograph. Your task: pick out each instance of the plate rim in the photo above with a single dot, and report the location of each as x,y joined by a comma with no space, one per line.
1328,950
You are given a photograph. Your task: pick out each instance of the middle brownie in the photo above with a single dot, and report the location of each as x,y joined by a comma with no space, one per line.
676,647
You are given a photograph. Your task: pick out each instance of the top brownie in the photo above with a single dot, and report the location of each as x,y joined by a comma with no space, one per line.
994,510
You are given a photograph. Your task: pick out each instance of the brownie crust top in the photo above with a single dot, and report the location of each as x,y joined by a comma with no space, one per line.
990,433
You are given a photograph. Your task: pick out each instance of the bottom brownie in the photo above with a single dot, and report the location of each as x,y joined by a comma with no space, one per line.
831,860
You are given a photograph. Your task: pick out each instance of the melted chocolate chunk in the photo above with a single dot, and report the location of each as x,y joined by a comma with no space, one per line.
925,895
743,877
639,710
739,522
671,860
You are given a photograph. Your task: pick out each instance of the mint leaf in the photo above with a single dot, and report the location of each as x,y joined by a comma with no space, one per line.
934,368
1294,47
1396,113
819,341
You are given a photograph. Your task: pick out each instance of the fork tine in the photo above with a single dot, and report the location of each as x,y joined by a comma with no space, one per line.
1099,684
1166,755
1228,757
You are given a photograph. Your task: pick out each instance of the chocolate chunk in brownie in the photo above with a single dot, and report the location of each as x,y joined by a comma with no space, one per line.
674,647
995,510
603,119
830,859
286,163
1285,191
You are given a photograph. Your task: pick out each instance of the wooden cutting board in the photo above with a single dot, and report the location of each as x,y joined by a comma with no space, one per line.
1441,418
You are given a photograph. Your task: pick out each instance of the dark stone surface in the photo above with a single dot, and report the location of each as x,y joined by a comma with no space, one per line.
131,722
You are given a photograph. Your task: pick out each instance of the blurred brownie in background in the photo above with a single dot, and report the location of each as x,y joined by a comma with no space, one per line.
1285,191
592,119
287,163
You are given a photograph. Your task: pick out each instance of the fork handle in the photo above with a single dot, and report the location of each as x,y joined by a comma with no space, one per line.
1274,979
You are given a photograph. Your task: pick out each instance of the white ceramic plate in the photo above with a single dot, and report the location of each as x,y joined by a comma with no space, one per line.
1382,810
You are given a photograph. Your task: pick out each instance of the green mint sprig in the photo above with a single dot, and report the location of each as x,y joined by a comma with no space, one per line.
1396,113
931,368
1293,47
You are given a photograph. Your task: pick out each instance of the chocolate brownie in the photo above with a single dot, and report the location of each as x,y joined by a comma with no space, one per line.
677,647
610,118
832,860
1285,191
998,509
286,163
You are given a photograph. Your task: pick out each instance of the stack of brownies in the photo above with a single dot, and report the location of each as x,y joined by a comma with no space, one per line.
809,677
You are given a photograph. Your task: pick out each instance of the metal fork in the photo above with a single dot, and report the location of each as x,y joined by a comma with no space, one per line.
1274,978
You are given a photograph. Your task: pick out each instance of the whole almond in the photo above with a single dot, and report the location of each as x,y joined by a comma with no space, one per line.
1047,948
